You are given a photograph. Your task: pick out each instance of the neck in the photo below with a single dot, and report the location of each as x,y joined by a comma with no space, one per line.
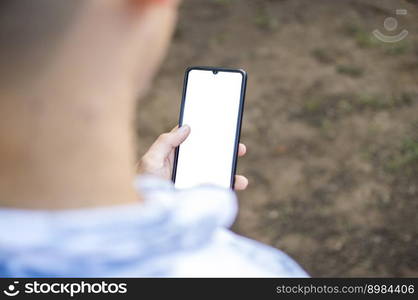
65,151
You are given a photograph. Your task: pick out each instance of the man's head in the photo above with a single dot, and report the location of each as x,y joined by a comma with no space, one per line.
101,33
70,74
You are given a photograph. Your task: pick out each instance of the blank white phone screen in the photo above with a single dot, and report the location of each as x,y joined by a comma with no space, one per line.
211,109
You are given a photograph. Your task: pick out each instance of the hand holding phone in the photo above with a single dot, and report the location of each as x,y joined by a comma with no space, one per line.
212,105
159,158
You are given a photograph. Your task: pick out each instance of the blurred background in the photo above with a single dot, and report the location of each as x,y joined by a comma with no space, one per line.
331,124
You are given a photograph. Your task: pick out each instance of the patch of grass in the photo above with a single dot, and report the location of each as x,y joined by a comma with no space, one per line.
333,106
345,106
350,70
406,159
320,110
378,102
399,48
372,101
312,105
319,104
322,55
366,40
405,98
363,38
351,29
327,129
266,22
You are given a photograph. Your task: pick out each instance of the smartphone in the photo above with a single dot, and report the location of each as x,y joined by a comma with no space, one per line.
212,105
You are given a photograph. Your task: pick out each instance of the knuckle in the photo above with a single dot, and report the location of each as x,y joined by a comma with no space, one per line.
148,164
163,137
144,163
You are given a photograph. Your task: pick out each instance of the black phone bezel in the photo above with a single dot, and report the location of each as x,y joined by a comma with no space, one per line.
239,120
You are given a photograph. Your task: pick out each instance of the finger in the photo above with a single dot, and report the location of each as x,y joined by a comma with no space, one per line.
168,141
242,149
180,135
241,183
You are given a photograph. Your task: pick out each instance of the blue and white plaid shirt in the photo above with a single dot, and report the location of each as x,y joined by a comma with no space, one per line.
173,233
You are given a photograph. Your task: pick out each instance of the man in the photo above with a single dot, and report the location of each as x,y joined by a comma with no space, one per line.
70,74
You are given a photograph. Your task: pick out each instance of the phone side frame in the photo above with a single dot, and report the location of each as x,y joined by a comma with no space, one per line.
239,119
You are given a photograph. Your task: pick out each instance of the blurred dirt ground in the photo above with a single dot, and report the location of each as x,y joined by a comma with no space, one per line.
331,125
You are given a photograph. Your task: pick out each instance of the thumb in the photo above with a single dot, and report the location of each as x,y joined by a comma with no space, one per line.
178,135
168,141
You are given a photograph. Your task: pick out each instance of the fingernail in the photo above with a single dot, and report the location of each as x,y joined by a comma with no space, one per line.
184,128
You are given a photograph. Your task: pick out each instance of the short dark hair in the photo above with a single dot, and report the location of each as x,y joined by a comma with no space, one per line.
28,27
